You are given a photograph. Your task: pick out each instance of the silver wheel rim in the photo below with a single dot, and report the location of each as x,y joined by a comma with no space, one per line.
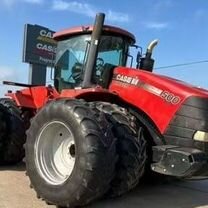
55,153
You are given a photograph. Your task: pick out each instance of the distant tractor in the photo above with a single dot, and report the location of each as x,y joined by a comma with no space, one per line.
103,126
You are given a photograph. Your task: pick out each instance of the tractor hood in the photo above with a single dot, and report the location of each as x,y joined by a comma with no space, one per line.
153,94
159,81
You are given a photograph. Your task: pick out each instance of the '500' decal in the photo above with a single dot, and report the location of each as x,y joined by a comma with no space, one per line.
170,97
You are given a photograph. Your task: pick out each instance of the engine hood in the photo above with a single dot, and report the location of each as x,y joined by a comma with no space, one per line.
158,96
164,82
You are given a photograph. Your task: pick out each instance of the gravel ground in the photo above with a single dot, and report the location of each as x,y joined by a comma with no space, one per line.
15,193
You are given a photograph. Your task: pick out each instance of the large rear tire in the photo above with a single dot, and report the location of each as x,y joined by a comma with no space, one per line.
70,153
13,138
131,148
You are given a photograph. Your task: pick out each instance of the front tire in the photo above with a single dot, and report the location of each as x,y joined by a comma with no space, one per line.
70,153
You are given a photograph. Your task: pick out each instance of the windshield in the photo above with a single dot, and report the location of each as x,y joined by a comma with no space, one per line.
70,58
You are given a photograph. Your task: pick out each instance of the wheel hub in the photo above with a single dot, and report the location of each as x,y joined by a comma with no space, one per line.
55,152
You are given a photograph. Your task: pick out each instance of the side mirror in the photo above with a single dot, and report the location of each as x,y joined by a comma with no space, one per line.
139,56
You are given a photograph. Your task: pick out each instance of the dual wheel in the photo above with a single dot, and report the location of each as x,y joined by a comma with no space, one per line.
77,152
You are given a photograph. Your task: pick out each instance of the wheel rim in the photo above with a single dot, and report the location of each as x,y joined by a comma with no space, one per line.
55,153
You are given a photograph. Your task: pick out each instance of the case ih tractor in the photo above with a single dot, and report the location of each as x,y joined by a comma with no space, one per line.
103,126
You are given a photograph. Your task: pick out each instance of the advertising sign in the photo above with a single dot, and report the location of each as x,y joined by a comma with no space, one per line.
39,47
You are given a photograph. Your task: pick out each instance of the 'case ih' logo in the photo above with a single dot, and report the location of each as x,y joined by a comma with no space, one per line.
126,79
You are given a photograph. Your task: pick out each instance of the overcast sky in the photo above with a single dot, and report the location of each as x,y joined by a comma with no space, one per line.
181,27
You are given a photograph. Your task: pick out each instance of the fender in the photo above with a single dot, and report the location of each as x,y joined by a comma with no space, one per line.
33,97
100,94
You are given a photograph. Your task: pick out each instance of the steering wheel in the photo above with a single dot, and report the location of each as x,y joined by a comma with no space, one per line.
99,64
76,72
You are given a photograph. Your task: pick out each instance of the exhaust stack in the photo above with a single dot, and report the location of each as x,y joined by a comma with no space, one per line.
151,46
93,50
147,63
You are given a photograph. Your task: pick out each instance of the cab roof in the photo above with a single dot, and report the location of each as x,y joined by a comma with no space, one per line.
107,30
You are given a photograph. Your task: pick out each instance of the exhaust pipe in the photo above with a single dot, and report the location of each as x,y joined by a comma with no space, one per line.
93,50
152,45
147,63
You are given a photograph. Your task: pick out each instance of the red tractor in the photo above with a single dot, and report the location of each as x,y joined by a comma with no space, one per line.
103,126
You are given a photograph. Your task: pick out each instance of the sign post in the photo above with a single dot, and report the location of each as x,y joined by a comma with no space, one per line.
39,51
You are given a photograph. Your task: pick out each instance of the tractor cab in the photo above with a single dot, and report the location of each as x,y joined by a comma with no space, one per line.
73,53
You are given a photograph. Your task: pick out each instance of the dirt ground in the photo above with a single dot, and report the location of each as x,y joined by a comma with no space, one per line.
15,193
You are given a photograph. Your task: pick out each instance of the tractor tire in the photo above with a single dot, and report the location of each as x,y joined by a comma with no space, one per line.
70,153
131,148
2,126
14,136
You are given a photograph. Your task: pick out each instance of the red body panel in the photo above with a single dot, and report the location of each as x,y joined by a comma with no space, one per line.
34,97
97,92
148,94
